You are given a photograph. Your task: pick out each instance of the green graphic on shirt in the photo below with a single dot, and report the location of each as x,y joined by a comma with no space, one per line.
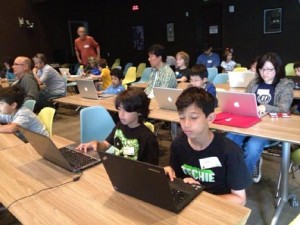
129,148
204,175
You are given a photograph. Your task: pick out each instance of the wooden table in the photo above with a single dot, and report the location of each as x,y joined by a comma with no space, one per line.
92,199
9,140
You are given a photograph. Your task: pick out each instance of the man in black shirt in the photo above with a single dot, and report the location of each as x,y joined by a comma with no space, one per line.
200,156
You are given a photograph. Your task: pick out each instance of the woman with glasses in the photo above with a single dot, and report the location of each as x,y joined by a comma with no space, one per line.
274,94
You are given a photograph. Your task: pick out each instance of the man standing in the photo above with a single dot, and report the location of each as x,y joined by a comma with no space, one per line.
208,58
25,79
85,46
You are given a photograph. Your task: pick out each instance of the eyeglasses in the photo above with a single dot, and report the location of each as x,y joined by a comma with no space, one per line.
266,70
18,64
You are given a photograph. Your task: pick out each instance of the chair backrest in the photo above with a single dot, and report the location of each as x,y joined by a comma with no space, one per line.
212,73
117,60
95,124
140,69
115,65
30,103
146,75
150,126
126,67
240,69
130,75
289,69
46,116
221,78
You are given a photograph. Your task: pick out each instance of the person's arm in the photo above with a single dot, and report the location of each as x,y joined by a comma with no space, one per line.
78,56
30,87
9,128
238,197
216,60
182,79
93,145
98,51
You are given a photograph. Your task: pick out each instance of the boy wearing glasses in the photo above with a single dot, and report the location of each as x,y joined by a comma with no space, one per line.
198,78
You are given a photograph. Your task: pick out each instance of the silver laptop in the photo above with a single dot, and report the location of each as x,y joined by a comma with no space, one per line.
166,97
64,71
148,183
239,103
66,157
87,89
240,79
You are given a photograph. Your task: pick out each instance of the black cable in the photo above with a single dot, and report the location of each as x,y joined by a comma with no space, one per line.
74,179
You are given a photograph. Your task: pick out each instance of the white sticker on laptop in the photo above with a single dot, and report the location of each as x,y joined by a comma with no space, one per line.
128,150
209,162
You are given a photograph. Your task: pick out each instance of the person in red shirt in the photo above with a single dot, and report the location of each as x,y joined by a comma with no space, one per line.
85,46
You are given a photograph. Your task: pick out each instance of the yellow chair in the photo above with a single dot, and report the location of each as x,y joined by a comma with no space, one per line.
140,69
240,69
289,69
130,76
115,65
46,116
150,126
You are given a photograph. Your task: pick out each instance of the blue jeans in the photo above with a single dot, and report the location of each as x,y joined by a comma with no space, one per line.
253,147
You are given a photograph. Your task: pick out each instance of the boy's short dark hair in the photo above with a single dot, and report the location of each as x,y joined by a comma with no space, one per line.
134,100
12,94
117,73
102,63
198,96
199,70
296,64
158,50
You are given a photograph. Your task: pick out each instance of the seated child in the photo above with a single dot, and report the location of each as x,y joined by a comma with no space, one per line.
297,68
182,71
116,86
104,74
296,103
92,67
130,136
13,113
228,64
200,156
198,78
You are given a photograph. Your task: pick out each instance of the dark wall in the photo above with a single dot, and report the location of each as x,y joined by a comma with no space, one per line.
243,30
14,39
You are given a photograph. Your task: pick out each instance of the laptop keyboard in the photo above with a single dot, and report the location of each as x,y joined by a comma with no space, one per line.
77,159
179,196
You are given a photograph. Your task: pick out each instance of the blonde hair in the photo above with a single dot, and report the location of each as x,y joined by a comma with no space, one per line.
184,56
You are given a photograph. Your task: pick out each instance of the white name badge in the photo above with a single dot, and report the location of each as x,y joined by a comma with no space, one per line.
128,150
86,46
210,162
209,61
263,91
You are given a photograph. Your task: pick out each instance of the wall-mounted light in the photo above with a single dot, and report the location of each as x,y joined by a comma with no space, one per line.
25,23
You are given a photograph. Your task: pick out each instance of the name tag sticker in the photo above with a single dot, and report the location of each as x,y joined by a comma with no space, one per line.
86,46
210,162
209,61
128,150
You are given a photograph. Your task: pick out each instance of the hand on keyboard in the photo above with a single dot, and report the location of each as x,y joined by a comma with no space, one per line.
190,180
84,147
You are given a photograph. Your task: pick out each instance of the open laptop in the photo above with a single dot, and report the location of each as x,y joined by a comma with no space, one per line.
148,183
240,79
296,80
64,71
237,109
87,89
67,157
166,97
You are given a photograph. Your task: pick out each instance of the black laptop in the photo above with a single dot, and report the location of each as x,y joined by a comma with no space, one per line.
148,183
66,157
296,80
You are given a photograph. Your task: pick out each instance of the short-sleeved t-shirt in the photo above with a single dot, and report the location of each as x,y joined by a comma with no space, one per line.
137,143
220,167
265,94
87,47
106,78
25,118
51,78
184,72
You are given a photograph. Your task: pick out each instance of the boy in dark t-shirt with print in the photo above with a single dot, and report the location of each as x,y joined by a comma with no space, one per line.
130,137
200,156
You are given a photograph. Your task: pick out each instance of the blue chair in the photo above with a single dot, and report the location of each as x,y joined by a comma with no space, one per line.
212,73
95,124
127,67
145,75
30,103
221,78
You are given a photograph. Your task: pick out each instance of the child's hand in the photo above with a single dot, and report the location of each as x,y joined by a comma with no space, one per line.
84,147
170,172
190,180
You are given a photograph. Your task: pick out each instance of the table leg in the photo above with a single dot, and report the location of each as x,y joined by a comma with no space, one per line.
283,195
